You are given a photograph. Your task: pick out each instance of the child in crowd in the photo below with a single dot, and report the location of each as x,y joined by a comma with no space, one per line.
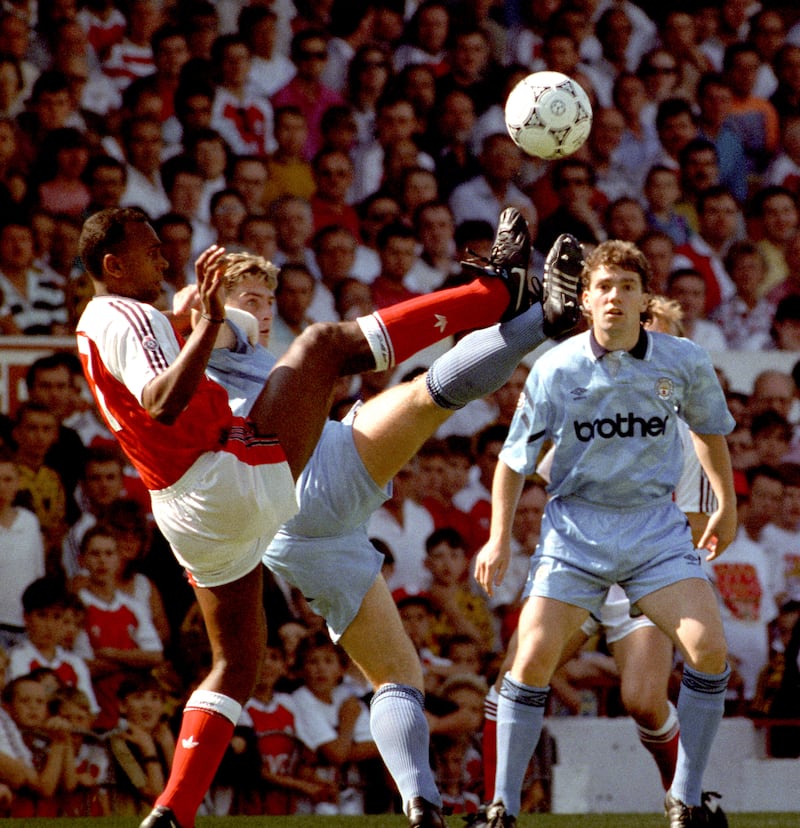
90,796
458,609
45,756
334,727
122,639
43,603
417,615
663,191
271,716
449,763
141,748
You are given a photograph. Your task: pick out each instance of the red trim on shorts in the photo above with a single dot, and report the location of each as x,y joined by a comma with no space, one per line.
251,448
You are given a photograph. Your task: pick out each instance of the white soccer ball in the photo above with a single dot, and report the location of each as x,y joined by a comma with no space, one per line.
548,115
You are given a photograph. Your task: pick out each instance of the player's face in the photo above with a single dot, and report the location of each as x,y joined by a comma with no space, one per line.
138,267
253,296
615,300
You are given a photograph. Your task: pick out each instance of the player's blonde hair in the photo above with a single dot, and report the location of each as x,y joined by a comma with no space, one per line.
666,315
239,266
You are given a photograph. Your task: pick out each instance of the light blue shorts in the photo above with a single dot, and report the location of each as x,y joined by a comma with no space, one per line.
324,550
585,548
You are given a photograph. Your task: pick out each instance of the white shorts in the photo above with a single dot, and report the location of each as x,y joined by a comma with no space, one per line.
615,617
222,513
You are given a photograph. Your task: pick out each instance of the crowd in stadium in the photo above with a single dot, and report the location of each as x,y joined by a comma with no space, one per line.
361,148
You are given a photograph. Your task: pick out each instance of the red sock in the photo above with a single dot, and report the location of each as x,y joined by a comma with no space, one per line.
664,750
201,744
420,322
489,745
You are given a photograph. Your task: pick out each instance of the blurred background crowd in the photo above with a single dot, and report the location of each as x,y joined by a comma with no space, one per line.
361,147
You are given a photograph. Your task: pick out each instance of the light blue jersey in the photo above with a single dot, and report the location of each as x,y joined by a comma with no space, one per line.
614,417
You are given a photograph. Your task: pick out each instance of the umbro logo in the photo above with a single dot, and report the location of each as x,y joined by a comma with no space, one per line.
189,743
578,393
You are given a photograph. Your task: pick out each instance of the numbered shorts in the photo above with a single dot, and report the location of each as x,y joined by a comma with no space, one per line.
324,550
222,513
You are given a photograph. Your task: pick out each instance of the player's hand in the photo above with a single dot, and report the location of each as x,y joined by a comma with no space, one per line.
186,300
209,281
491,564
719,532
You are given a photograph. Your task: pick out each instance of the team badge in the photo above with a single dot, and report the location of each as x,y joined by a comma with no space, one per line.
149,344
665,388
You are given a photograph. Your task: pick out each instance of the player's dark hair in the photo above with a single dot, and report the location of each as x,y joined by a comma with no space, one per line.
104,233
622,254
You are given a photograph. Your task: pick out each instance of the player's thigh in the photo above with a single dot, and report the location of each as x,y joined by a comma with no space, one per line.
297,395
545,626
687,611
378,643
389,429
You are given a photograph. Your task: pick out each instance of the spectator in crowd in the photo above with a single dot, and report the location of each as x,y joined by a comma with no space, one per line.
248,176
639,143
470,68
170,55
458,609
333,176
662,191
142,144
259,236
626,219
416,613
293,297
699,170
90,795
33,293
579,206
294,223
132,57
228,212
435,229
449,761
142,748
786,324
289,173
784,169
688,288
719,225
306,90
747,612
106,179
715,101
44,602
486,195
240,115
602,149
23,552
121,638
659,249
745,318
776,213
43,763
34,433
176,233
333,724
754,117
334,249
396,245
368,73
270,69
786,96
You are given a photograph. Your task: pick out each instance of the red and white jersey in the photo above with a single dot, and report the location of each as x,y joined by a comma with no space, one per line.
273,724
123,344
71,669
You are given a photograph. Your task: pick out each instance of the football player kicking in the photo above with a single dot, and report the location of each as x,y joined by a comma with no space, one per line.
221,485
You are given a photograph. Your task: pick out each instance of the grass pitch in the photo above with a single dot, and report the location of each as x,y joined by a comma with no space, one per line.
773,820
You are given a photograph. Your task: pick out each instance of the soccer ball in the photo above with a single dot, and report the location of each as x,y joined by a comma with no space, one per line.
548,115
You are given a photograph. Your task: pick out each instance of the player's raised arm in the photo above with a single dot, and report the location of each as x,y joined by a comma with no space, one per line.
491,562
166,396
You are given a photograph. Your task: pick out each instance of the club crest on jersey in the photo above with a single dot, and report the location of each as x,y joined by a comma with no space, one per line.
665,388
149,344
